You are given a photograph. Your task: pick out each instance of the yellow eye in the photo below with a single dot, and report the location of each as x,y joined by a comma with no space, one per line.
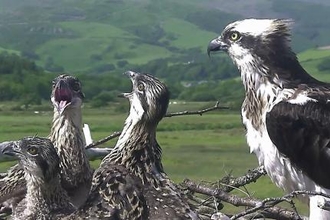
140,87
33,151
234,36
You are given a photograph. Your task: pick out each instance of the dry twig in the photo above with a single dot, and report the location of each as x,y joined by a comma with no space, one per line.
255,208
229,183
198,112
168,115
108,138
266,207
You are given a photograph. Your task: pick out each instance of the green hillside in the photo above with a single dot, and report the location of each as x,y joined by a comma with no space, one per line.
312,59
86,35
98,40
108,35
9,51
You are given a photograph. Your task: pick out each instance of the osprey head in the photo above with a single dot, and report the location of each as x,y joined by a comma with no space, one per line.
261,48
149,97
37,156
263,39
66,93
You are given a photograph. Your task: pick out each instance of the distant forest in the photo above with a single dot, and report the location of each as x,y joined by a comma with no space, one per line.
99,40
22,80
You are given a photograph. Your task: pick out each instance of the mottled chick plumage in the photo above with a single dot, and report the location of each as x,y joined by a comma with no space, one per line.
130,182
45,197
67,136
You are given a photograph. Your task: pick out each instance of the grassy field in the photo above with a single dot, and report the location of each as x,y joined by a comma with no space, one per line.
309,59
201,148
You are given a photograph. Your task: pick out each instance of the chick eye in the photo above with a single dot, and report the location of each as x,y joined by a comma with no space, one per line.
33,151
234,36
76,86
140,87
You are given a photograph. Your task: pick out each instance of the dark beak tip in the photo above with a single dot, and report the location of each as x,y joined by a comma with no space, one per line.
216,45
121,95
124,95
208,52
7,149
129,73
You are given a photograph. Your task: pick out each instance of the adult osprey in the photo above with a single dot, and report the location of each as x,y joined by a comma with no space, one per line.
286,111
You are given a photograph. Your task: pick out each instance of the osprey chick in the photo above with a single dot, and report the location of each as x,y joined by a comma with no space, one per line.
45,197
67,137
286,111
130,182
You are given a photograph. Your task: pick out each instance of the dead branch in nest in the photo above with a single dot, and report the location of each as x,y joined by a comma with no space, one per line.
271,202
206,207
168,115
209,198
229,183
265,208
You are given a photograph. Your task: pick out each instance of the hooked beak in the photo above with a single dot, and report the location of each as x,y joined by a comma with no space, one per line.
8,148
131,75
124,95
216,45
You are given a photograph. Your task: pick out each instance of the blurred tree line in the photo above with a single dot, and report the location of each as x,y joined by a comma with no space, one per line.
193,77
194,80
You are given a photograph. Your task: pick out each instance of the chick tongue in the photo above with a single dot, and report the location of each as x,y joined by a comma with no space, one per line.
62,104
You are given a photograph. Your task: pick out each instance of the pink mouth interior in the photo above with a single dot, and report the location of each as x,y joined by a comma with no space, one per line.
62,96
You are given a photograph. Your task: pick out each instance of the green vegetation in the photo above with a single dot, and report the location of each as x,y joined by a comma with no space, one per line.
213,79
94,36
21,80
313,32
201,148
99,40
316,62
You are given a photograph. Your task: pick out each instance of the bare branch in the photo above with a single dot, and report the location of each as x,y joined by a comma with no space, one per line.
168,115
204,206
305,192
266,206
229,183
111,136
198,112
